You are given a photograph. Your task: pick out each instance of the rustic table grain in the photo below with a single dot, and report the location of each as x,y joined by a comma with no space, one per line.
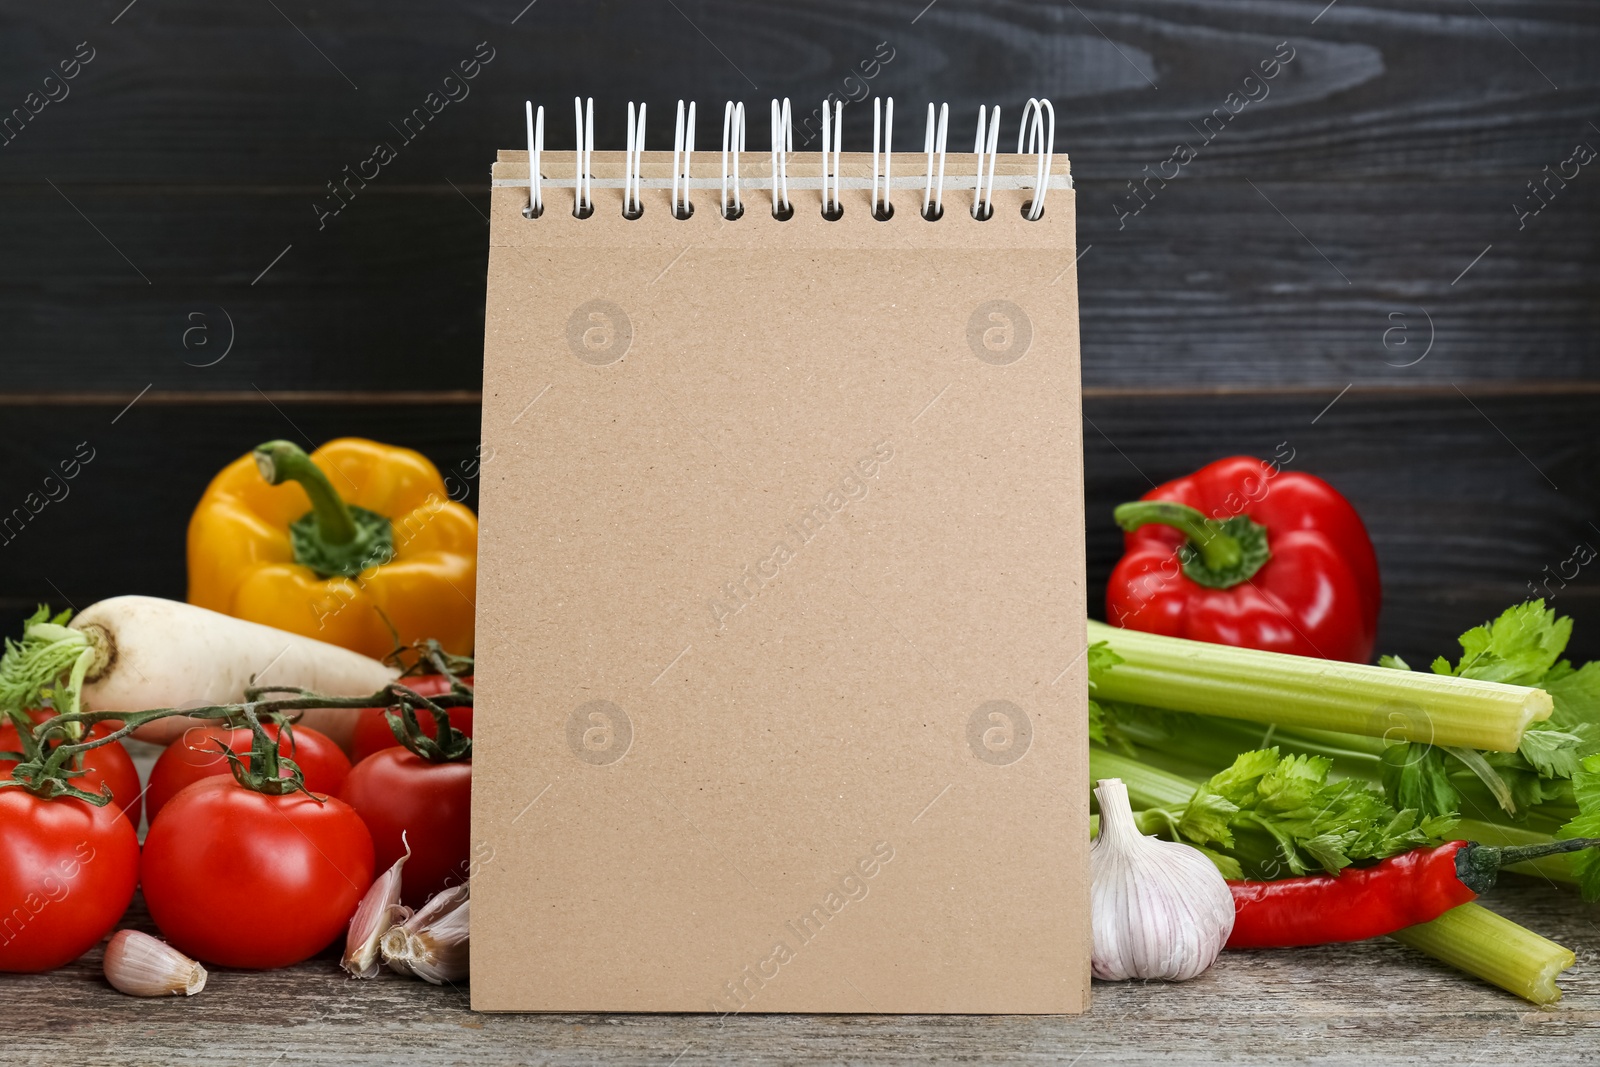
1377,1002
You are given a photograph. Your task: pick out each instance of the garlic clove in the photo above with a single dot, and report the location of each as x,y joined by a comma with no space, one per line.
433,944
1158,909
143,966
378,911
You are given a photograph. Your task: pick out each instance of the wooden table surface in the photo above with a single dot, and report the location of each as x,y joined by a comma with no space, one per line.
1379,1001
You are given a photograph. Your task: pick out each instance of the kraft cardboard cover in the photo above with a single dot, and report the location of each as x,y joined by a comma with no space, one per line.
781,684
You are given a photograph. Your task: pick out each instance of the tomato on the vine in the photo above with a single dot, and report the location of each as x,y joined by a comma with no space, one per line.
67,873
195,756
247,879
397,791
109,764
372,727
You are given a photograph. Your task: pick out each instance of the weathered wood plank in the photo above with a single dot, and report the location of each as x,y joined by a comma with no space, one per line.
1372,1002
189,92
1381,284
1208,285
1397,145
1454,489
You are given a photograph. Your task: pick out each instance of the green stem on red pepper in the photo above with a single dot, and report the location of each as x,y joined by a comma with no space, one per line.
1219,554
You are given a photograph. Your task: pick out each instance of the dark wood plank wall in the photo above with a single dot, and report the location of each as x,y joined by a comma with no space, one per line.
1373,206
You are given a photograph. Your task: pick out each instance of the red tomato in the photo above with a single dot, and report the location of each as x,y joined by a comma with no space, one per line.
67,872
372,727
194,756
108,764
242,879
396,790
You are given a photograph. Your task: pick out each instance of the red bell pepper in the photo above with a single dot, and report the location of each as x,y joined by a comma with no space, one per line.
1244,553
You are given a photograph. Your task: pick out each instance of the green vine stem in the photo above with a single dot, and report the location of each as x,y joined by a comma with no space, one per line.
268,771
49,768
448,745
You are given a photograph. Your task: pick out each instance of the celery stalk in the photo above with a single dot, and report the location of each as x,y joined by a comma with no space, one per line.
1302,692
1148,787
1209,744
1494,948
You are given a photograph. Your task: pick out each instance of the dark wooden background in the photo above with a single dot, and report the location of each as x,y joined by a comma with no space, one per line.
1313,249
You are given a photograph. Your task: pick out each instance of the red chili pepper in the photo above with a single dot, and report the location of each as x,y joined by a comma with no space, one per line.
1361,902
1244,553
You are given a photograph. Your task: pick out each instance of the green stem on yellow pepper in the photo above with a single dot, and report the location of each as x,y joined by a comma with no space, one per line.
285,461
333,538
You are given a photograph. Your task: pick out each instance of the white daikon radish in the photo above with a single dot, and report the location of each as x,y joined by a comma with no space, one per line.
136,653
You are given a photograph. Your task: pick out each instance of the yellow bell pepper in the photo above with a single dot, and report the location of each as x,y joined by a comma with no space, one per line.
339,545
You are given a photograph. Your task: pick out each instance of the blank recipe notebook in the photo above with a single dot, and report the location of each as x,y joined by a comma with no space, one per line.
781,600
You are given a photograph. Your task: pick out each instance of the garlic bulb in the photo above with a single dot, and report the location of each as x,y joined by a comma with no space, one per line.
379,910
143,966
1159,909
433,943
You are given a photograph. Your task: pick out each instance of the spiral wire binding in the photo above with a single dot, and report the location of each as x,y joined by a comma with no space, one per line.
535,206
732,141
1036,135
832,134
1041,134
583,181
632,204
932,195
983,199
781,147
882,210
682,149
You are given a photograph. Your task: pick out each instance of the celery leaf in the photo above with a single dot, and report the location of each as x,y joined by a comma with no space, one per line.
1586,790
1518,648
1415,777
1309,822
1555,753
1101,659
1521,647
1576,693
